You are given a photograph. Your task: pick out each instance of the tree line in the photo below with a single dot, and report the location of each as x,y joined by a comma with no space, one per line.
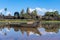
33,15
51,16
23,14
26,15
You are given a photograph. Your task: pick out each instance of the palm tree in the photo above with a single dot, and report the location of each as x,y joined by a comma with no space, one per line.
16,15
5,10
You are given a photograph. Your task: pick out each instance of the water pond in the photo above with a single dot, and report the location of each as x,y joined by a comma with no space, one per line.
43,32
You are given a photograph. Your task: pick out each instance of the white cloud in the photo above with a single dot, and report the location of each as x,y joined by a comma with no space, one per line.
43,32
7,29
41,11
1,10
1,32
31,33
31,9
8,12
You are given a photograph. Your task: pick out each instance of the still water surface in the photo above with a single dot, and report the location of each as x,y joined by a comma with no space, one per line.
43,32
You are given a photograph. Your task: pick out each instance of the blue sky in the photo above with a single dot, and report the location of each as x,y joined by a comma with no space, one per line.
18,5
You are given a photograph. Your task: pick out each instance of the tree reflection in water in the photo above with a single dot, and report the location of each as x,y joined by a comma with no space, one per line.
22,29
27,30
47,27
51,27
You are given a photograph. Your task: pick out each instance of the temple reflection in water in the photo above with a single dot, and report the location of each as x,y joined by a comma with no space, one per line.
22,29
48,28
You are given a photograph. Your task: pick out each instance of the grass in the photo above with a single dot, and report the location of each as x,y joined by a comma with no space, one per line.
24,20
15,20
48,22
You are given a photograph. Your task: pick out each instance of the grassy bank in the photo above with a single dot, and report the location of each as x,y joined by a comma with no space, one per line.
29,20
16,20
49,22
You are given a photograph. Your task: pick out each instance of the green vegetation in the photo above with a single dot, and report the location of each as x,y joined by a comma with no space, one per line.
47,17
26,15
50,22
51,16
16,20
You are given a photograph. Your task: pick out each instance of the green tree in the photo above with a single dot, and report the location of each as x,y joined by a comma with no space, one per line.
5,10
56,13
27,16
34,13
16,15
52,14
48,14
